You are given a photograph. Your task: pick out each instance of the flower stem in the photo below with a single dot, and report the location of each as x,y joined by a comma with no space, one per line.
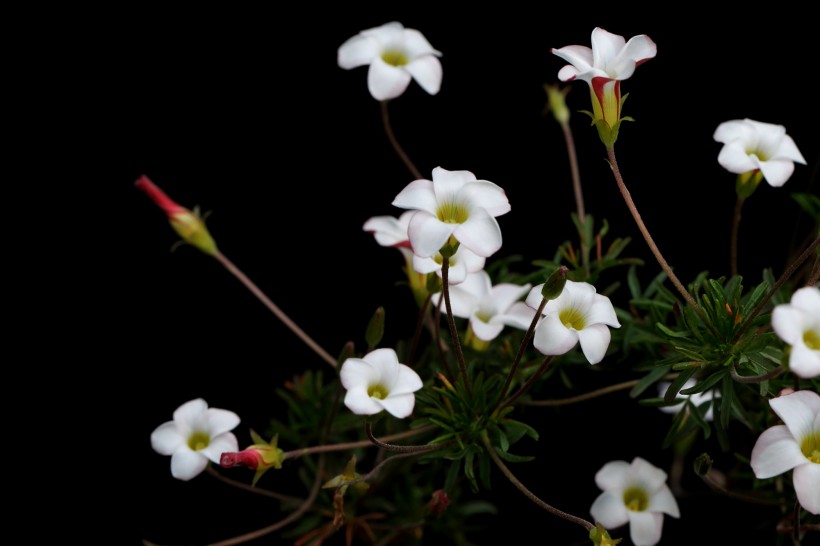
613,162
527,493
530,382
719,488
396,146
735,231
451,321
590,395
576,187
411,355
771,374
249,488
397,448
353,445
236,272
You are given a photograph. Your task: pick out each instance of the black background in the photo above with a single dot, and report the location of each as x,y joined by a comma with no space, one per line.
246,114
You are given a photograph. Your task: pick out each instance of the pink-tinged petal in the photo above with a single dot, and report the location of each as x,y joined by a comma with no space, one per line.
804,362
808,299
407,381
609,510
788,150
487,195
637,50
552,337
807,486
385,34
418,195
788,322
505,294
356,373
386,363
645,528
357,51
648,475
187,464
775,452
427,72
485,331
519,315
777,171
480,233
387,230
579,57
733,158
218,445
736,129
416,45
221,421
428,234
664,501
605,46
166,439
399,406
358,401
446,184
602,312
568,73
386,81
613,476
798,411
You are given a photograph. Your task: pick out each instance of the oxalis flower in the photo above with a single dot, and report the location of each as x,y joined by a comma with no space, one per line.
395,55
603,66
637,494
379,382
756,150
453,208
798,324
794,445
197,434
578,315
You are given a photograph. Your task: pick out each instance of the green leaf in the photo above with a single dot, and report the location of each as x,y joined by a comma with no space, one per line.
654,375
677,384
509,457
671,333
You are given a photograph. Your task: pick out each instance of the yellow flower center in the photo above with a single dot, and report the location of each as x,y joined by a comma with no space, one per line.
377,391
395,58
636,499
452,213
572,318
810,446
812,339
198,441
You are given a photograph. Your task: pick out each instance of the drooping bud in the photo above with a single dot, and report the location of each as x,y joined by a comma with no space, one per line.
557,103
439,502
188,224
261,456
375,329
555,283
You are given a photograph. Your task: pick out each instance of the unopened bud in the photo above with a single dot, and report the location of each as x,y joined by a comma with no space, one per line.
555,283
557,103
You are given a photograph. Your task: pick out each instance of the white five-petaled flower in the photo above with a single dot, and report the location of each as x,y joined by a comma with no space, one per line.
578,315
798,324
489,308
395,55
697,399
454,205
794,445
197,434
462,263
379,382
636,494
750,145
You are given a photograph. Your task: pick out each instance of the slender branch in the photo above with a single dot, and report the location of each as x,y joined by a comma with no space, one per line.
249,488
735,232
451,321
354,445
411,355
717,487
576,187
376,469
396,146
440,346
274,309
527,493
645,232
587,396
401,449
771,374
530,382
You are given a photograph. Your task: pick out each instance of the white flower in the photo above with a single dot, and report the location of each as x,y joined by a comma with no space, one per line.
635,493
579,314
610,57
795,445
489,308
696,399
798,324
453,205
379,382
750,145
462,263
197,434
395,55
390,231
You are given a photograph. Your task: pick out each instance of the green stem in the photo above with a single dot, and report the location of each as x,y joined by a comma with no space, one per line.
400,449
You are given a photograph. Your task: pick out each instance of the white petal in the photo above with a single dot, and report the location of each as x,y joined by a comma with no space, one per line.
552,337
418,195
798,411
602,312
576,295
387,230
775,452
594,341
385,81
416,45
788,322
463,299
613,475
605,46
190,413
664,501
166,438
187,464
733,158
777,171
386,363
579,57
486,195
447,184
788,150
807,486
485,331
357,51
219,445
609,510
568,73
648,475
387,33
519,315
534,298
480,233
505,294
645,528
407,381
425,265
357,373
427,72
457,272
637,50
359,402
400,405
804,362
428,234
221,421
736,129
808,299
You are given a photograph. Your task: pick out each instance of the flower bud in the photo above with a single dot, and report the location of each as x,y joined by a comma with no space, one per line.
557,103
439,502
555,283
261,456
